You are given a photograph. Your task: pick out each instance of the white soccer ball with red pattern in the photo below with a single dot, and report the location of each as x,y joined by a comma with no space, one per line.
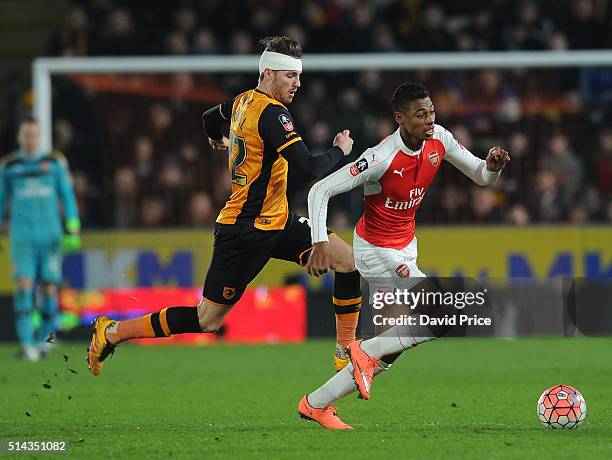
561,407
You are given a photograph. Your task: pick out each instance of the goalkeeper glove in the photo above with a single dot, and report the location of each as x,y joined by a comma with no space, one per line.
72,241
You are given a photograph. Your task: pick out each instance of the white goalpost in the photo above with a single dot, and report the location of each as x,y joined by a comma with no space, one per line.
44,68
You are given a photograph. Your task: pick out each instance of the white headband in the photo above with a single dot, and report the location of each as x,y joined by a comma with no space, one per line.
278,61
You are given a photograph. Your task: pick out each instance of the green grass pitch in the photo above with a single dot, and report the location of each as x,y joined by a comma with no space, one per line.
455,398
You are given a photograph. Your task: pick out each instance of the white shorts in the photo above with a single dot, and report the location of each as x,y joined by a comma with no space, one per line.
398,266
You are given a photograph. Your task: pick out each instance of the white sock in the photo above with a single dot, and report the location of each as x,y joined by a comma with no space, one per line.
338,386
335,388
394,340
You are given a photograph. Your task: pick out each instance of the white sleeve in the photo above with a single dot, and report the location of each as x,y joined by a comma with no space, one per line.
347,178
465,161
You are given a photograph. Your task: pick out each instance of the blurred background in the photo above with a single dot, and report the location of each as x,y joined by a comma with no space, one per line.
149,187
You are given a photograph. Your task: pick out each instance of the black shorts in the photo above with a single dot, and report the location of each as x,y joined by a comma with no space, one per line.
240,253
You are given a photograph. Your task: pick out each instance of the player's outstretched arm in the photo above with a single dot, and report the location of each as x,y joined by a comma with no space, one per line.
483,172
347,178
277,130
311,166
351,176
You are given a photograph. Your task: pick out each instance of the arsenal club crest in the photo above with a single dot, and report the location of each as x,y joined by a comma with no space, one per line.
434,158
403,271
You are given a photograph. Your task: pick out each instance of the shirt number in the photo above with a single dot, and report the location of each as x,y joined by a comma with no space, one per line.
238,154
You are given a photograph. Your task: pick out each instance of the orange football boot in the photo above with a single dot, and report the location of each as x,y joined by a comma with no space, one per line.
325,417
363,368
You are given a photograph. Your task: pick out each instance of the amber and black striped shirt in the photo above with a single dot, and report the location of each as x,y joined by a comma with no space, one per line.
263,142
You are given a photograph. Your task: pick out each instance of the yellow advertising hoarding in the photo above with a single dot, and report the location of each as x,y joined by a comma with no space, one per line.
181,257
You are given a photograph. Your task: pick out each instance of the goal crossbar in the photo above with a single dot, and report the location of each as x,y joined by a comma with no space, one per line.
43,68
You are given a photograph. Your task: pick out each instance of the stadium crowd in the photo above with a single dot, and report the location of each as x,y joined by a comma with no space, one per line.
140,158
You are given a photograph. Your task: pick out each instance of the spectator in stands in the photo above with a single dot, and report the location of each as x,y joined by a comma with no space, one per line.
547,202
402,17
201,214
297,32
523,165
584,30
431,33
172,190
264,21
478,33
125,190
596,91
370,86
529,30
357,34
152,212
485,208
562,161
63,135
382,39
517,215
222,188
318,137
176,44
454,204
463,135
557,41
185,20
578,214
490,103
119,36
240,42
352,114
87,199
315,21
144,162
603,163
161,123
73,38
204,42
608,211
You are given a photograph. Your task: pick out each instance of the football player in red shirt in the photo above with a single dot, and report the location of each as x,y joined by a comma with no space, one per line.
395,176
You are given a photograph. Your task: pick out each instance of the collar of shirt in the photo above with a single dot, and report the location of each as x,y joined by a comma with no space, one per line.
400,143
26,156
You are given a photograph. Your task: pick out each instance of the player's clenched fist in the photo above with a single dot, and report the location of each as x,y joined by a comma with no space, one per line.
344,141
320,259
497,159
220,144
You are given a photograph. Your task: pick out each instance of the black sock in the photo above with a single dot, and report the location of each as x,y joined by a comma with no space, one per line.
182,320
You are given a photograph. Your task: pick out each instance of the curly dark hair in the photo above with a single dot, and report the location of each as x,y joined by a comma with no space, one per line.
406,93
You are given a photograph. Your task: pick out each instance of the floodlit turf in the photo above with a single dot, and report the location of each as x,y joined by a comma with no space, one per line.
450,399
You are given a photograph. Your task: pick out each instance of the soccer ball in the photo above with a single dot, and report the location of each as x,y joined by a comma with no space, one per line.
561,407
